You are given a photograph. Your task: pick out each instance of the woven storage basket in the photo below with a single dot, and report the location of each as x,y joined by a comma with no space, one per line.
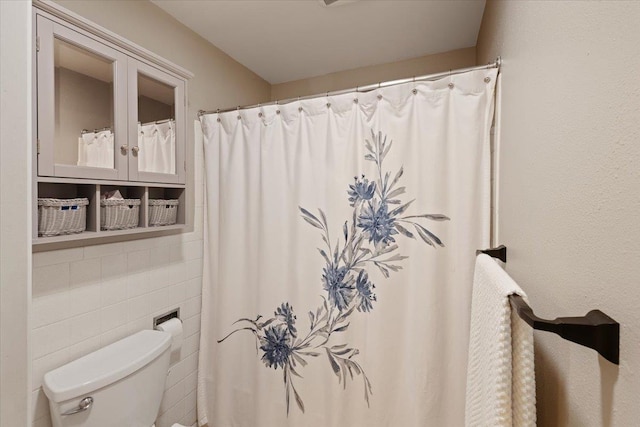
162,212
119,214
62,216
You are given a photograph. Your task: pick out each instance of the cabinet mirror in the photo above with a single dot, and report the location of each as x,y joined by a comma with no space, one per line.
84,107
156,124
81,105
156,149
103,114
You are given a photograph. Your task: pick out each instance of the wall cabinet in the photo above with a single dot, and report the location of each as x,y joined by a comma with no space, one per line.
93,96
110,115
94,192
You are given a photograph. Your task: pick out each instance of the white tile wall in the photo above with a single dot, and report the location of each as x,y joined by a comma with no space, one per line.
111,296
86,298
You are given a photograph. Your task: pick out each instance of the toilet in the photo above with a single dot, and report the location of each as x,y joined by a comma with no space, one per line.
118,385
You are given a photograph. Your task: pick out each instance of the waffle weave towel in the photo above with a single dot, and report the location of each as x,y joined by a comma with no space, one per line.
501,390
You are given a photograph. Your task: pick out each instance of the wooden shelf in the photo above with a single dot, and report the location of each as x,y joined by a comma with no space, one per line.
97,237
142,88
72,188
57,180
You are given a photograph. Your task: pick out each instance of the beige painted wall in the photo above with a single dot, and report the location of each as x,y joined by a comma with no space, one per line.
84,298
15,212
460,58
569,185
150,110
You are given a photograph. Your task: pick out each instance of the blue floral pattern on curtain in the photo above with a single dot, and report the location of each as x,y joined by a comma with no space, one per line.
369,241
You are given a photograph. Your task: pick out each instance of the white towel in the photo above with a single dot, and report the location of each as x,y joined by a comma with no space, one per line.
501,389
113,194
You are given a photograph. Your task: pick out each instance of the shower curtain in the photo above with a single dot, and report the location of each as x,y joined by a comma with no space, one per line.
95,149
157,144
340,235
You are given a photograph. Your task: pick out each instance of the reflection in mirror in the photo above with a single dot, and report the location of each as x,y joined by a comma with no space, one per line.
84,107
156,128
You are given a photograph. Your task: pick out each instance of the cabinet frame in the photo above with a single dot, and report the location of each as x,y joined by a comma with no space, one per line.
93,190
48,31
58,15
136,67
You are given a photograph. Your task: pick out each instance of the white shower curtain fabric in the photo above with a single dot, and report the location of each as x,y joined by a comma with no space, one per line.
157,144
95,149
340,238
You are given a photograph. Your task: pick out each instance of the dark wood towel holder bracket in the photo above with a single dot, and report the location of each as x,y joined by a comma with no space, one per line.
596,330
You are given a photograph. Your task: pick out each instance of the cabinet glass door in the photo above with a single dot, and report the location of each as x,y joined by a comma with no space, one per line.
156,125
81,105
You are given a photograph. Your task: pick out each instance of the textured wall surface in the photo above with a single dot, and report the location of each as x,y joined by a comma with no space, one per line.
348,79
569,184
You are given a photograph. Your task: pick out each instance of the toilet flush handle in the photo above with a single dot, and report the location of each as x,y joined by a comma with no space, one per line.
82,406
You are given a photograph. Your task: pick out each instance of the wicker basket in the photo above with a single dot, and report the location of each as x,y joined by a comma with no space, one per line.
162,212
62,216
119,214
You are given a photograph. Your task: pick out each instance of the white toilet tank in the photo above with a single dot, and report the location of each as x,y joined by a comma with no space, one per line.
119,385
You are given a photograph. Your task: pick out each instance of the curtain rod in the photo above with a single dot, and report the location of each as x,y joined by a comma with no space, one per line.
156,122
363,89
84,131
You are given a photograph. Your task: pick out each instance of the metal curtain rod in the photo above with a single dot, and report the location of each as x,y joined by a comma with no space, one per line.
595,330
363,89
156,122
95,130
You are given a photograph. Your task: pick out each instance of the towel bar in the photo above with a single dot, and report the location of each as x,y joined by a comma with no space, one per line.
596,330
500,252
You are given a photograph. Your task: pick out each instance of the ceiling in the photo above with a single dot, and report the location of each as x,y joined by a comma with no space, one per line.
285,40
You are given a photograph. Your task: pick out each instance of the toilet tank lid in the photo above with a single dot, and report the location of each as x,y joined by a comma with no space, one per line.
105,366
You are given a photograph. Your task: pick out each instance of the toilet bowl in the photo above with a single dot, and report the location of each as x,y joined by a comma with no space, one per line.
119,385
